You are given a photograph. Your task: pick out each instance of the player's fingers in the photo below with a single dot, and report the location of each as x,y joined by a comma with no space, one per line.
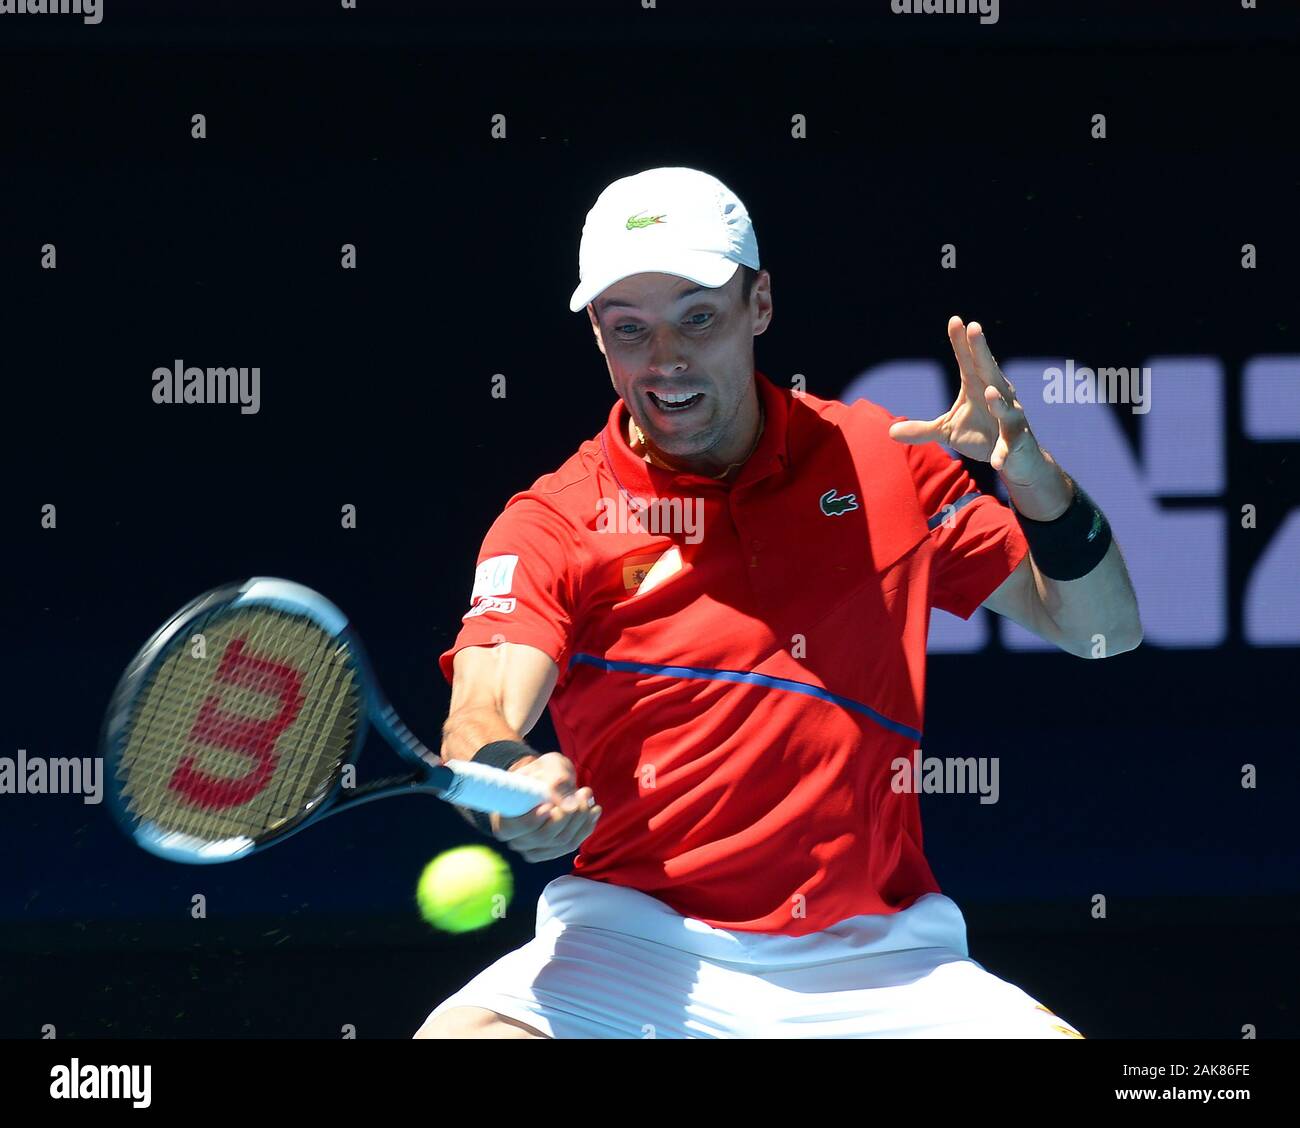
984,362
546,852
1014,428
509,829
543,825
581,800
558,770
916,430
546,811
576,833
578,829
1003,407
553,769
561,823
961,349
560,835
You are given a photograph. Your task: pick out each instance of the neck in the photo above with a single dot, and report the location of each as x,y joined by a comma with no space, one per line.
641,445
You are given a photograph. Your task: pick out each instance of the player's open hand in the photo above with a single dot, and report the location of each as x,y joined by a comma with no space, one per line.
986,422
550,830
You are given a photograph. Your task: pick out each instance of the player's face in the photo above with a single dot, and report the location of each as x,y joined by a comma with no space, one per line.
681,357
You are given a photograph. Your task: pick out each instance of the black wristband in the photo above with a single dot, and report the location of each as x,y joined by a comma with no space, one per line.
498,754
502,753
1073,544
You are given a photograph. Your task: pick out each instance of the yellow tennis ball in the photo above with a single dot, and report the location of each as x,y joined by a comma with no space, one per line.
465,888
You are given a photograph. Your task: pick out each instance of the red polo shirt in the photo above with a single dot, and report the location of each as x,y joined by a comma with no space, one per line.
740,664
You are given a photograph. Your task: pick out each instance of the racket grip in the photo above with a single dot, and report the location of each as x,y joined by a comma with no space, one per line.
483,788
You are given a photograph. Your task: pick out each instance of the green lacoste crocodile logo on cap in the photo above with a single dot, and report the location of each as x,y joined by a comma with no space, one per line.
833,506
635,221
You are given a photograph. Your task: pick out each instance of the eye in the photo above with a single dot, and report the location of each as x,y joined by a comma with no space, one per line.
627,328
694,319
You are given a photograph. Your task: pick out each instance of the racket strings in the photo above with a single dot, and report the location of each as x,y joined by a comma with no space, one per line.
294,780
291,787
297,779
246,738
309,774
168,712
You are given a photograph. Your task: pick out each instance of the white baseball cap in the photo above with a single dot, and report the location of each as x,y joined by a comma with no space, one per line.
665,221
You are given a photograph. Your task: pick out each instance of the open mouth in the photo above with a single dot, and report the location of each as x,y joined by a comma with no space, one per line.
672,404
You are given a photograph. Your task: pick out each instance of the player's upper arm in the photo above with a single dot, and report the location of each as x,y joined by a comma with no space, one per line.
516,636
512,680
525,584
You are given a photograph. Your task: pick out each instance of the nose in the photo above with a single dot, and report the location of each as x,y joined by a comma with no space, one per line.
665,352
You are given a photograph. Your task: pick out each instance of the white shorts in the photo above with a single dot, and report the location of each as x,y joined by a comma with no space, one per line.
612,962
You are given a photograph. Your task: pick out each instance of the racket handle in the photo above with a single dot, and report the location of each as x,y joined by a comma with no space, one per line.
483,788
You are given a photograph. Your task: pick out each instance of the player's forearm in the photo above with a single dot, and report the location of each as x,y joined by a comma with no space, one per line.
469,729
1095,615
464,733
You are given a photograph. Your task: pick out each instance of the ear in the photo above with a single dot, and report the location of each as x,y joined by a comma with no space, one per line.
595,328
761,297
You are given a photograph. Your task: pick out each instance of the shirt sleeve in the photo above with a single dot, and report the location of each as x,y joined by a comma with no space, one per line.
524,584
977,540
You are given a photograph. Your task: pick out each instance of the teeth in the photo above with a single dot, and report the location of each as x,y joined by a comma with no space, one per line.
681,398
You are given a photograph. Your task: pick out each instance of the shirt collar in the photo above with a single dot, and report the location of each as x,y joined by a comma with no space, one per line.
637,476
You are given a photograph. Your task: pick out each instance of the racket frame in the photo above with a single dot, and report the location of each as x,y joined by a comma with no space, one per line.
374,711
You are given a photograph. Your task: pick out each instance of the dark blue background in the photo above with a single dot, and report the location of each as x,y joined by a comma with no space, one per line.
1118,777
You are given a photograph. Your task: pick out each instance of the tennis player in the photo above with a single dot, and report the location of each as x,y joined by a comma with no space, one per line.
724,597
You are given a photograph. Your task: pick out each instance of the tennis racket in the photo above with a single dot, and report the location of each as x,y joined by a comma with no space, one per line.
240,722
